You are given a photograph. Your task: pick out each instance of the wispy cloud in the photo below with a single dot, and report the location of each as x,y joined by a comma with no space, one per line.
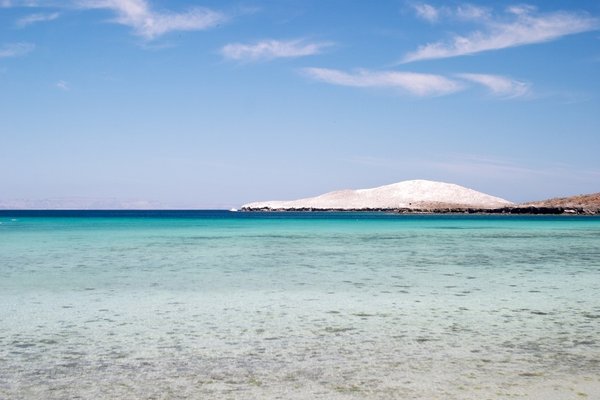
151,24
419,84
427,11
16,49
487,166
525,26
19,3
414,83
520,9
270,49
62,85
470,12
481,165
35,18
432,13
500,85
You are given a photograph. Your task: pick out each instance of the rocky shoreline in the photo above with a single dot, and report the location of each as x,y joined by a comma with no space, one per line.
512,210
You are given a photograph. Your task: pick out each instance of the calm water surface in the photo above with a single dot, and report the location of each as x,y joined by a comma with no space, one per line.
323,305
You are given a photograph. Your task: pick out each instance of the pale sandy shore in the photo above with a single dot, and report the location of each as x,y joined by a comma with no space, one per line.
439,385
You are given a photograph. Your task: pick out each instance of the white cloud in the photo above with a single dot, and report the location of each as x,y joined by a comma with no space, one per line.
525,28
411,82
462,12
520,9
427,12
419,84
487,166
500,85
18,3
472,13
16,49
62,85
150,24
270,49
34,18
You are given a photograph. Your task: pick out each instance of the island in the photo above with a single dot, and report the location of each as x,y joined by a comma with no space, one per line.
424,196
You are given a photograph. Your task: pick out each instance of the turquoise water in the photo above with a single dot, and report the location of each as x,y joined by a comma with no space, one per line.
253,306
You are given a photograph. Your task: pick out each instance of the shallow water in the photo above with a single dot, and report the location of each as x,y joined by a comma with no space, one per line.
238,305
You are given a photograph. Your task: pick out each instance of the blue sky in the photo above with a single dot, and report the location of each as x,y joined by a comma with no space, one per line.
216,103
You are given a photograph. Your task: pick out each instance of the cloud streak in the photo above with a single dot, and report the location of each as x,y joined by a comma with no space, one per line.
16,49
271,49
24,3
420,85
499,85
62,85
462,12
150,24
417,84
427,12
526,27
35,18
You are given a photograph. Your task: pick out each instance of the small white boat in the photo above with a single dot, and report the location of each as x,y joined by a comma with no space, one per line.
233,209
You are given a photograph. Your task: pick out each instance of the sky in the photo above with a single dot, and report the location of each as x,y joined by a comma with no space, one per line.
212,104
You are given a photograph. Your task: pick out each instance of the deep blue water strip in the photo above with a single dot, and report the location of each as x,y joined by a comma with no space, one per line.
318,215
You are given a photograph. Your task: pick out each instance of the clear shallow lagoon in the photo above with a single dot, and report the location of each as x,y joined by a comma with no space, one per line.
323,305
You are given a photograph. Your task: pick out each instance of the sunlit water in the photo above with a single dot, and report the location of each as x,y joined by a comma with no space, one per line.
257,306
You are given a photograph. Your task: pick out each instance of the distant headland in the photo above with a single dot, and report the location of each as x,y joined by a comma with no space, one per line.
423,196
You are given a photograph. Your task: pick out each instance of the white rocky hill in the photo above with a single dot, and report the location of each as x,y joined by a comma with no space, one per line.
415,194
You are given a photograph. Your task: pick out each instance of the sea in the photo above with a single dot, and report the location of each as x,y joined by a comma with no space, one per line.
321,305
